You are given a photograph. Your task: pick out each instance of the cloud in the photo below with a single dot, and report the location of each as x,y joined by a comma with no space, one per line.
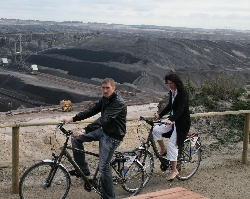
179,13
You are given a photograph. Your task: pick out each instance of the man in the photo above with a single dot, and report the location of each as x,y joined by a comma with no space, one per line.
109,129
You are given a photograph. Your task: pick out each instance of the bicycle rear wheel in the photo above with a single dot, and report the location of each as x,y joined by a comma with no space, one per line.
147,161
34,183
134,178
188,161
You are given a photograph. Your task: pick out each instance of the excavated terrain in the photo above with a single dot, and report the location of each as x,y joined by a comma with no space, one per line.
76,57
72,66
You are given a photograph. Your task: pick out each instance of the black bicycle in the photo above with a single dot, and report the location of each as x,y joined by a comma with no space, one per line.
51,179
189,156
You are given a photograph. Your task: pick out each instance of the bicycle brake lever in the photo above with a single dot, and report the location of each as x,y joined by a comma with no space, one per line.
70,132
141,118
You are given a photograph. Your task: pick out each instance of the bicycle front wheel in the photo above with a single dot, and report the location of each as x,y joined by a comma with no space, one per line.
147,161
134,178
188,160
44,180
155,147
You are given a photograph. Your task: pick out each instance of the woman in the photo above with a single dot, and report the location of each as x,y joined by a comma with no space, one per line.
178,123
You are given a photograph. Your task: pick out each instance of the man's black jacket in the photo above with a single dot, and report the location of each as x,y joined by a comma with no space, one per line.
112,119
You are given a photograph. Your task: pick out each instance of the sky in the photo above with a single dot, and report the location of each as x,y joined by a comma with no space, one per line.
207,14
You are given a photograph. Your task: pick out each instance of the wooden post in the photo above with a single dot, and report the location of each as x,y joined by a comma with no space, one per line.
15,159
246,138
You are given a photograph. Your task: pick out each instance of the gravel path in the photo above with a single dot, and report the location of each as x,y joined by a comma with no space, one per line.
220,176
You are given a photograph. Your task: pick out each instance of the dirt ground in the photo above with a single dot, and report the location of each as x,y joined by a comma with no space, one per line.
221,174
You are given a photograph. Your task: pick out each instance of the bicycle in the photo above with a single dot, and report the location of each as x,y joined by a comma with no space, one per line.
189,156
51,179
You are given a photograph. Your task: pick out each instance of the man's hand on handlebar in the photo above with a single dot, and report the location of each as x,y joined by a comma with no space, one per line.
77,134
67,120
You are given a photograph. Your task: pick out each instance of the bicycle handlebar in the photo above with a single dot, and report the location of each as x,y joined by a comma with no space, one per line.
65,132
151,122
60,125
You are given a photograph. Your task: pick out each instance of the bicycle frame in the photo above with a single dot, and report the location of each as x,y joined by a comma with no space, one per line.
57,160
148,143
88,185
51,174
165,164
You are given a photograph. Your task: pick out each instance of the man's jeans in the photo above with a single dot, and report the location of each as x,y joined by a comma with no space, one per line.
107,147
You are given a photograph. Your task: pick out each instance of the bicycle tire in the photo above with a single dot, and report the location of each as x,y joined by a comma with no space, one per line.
189,162
134,178
147,161
32,183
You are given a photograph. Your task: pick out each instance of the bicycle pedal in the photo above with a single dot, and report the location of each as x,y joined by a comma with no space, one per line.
74,173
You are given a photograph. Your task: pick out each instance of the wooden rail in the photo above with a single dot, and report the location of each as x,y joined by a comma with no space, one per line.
16,126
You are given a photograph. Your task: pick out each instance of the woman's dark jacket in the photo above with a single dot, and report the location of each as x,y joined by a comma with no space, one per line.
181,114
112,119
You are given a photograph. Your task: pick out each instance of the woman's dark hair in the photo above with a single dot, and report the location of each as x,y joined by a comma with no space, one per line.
176,79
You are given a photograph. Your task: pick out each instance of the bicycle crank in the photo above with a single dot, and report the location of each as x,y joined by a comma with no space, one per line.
165,165
87,187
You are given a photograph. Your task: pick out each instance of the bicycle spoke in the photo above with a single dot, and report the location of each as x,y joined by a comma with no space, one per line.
134,179
189,162
34,182
147,161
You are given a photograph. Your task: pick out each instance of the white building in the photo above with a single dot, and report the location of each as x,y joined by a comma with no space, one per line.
34,69
3,61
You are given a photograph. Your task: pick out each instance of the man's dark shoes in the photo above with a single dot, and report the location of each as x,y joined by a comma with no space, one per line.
74,173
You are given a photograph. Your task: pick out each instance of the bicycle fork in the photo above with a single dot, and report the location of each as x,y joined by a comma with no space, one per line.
52,172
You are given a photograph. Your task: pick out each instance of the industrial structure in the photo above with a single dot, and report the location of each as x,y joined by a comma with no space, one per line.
18,47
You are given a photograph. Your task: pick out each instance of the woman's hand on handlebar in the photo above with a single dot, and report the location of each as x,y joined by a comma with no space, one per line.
168,122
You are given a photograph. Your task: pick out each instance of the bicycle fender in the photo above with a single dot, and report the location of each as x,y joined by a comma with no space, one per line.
48,160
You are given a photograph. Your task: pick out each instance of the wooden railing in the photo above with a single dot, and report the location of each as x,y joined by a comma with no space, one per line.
16,127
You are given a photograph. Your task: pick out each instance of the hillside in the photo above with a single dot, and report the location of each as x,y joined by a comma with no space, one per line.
72,64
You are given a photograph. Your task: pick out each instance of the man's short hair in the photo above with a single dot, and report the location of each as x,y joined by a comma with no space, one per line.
109,81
